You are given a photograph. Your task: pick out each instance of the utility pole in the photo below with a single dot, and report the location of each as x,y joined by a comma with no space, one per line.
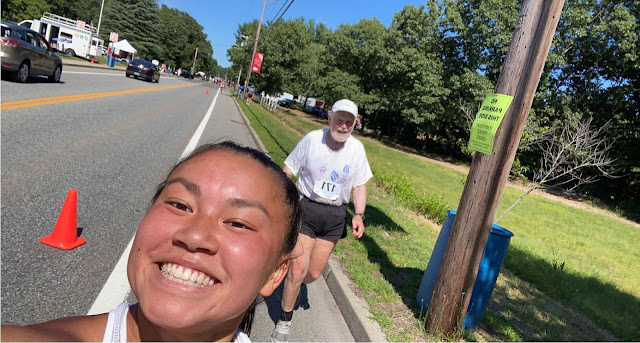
255,46
193,69
485,182
100,19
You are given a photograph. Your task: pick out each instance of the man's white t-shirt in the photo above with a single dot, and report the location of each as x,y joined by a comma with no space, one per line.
327,176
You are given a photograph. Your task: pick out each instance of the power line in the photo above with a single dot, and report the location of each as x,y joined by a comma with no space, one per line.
281,7
270,9
285,11
274,22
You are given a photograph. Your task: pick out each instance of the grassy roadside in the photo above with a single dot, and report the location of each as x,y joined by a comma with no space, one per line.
565,261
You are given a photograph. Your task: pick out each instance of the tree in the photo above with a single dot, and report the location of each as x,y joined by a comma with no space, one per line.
572,155
133,20
86,10
18,10
413,86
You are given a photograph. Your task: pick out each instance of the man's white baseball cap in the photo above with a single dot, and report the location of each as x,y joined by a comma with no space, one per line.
345,105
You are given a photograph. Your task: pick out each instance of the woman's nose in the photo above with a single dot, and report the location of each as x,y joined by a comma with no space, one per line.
197,235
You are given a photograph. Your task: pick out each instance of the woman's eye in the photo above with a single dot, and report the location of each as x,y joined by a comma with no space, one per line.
180,206
238,225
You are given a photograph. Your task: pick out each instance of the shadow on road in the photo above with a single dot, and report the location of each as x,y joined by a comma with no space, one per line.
274,302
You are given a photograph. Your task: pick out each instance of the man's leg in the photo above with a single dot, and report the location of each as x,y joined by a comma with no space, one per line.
309,258
301,256
322,249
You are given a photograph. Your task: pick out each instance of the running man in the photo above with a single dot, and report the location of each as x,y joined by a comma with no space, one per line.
329,163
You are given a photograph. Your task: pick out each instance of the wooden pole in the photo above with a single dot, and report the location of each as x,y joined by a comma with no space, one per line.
485,183
255,46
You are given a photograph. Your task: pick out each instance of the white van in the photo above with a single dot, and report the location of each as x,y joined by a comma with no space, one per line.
72,37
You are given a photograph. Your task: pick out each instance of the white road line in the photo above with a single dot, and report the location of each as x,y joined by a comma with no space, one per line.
116,289
87,73
196,136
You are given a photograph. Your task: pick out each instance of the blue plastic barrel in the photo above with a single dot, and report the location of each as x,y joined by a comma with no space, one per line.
111,62
492,259
428,284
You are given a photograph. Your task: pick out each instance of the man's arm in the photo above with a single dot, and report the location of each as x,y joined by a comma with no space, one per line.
359,204
287,171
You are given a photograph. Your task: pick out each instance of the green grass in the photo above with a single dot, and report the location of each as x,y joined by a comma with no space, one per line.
98,59
583,260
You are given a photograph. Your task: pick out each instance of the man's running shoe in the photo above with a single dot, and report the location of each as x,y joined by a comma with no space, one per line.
281,331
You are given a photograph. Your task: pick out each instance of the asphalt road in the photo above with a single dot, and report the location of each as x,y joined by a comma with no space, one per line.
113,142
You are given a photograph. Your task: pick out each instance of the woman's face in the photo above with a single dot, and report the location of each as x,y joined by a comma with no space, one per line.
210,243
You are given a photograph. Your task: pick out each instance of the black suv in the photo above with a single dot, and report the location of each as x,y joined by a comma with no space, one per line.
186,74
143,69
286,103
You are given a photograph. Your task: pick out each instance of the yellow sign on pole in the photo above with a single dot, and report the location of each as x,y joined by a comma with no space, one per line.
487,121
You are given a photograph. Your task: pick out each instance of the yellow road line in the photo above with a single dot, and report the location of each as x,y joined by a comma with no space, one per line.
84,96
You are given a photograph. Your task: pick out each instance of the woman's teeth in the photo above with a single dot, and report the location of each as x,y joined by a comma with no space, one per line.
184,275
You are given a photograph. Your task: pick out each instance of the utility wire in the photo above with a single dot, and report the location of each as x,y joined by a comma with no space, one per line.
285,11
276,21
281,7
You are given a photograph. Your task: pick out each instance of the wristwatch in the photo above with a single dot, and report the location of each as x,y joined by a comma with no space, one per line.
360,214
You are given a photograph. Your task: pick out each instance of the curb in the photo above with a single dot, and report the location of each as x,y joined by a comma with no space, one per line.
354,309
255,136
75,63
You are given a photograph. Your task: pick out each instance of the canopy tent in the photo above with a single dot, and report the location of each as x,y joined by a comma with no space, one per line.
124,46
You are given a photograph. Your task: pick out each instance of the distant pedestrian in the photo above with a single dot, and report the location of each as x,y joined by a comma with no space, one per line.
329,163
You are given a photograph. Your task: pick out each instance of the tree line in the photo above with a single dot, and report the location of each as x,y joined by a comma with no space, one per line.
162,33
420,81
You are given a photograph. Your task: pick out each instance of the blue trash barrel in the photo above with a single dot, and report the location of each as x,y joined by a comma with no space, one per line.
490,265
428,284
111,62
492,259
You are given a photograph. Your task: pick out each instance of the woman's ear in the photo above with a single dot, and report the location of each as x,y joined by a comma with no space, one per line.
276,278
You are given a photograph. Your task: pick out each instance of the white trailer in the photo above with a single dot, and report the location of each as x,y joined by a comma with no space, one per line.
72,37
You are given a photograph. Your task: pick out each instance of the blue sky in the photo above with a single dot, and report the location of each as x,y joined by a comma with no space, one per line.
220,19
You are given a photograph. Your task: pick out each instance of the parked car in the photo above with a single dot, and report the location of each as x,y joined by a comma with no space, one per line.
143,69
320,112
289,103
25,52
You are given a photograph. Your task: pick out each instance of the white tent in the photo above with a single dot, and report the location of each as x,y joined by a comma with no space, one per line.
124,46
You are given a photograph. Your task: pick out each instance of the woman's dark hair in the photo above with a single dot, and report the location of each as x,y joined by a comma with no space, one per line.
291,199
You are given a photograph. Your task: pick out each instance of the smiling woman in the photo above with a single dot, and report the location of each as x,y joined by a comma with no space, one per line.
219,232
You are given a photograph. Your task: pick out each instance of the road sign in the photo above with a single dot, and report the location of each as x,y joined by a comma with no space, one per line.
113,37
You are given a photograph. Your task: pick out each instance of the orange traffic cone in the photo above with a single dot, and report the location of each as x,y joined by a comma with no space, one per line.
65,233
91,60
214,86
207,93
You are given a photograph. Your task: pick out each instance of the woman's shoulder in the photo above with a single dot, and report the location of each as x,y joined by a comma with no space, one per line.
79,329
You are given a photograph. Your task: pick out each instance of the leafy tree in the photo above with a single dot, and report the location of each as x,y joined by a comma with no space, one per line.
359,52
240,52
18,10
133,20
86,10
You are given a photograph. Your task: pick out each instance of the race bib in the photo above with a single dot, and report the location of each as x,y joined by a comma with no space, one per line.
327,190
